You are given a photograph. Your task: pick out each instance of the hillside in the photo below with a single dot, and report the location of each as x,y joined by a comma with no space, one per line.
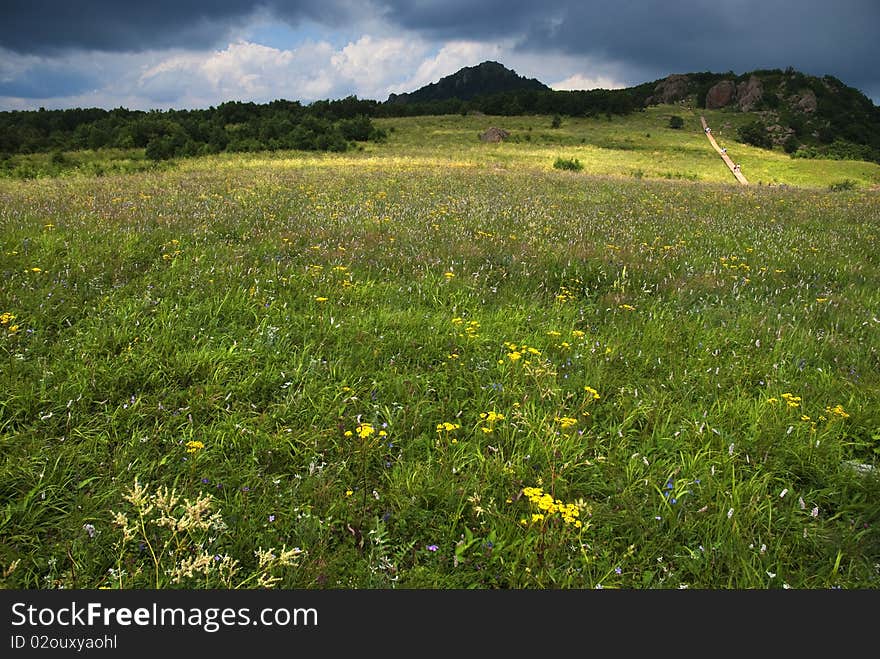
806,116
472,81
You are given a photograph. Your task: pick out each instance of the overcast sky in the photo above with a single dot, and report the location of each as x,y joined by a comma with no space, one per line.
194,54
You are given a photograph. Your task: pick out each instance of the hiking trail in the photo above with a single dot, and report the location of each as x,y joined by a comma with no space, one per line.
723,153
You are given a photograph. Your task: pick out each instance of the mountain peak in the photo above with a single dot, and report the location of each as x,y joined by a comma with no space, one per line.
488,77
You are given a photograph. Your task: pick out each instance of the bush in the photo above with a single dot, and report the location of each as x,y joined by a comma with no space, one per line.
676,122
755,134
791,144
841,186
556,122
572,164
160,148
358,129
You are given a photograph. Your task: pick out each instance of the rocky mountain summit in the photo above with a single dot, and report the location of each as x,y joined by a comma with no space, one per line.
483,79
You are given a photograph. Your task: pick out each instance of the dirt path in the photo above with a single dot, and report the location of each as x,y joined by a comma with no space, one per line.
727,161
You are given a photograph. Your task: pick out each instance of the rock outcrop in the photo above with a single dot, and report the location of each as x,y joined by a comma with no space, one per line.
749,94
721,95
806,101
671,89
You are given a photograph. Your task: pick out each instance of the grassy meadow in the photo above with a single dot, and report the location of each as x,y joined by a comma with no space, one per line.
437,363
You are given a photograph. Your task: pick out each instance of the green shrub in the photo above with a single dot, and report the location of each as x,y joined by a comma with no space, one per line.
791,144
841,186
676,122
756,134
572,164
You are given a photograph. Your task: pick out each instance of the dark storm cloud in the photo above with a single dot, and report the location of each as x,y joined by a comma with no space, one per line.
657,37
52,26
815,36
48,82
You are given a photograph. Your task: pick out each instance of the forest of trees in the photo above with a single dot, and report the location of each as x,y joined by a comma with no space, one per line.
590,103
232,126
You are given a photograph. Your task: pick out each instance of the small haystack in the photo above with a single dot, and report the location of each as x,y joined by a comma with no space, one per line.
494,135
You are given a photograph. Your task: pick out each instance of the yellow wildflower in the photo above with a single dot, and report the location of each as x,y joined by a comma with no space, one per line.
837,410
792,400
447,427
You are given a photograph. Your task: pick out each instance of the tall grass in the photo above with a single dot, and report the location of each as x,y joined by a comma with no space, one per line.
339,373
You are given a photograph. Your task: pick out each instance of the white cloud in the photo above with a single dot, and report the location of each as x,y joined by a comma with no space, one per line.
371,65
242,71
579,81
246,68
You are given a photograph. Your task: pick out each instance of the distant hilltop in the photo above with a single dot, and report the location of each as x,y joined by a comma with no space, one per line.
483,79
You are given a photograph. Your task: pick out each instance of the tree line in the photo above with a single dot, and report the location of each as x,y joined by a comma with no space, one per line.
590,103
232,127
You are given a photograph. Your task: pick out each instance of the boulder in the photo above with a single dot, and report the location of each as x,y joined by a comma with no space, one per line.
494,135
749,93
721,95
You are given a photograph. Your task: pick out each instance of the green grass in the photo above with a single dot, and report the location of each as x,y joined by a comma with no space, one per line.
78,163
276,339
640,145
